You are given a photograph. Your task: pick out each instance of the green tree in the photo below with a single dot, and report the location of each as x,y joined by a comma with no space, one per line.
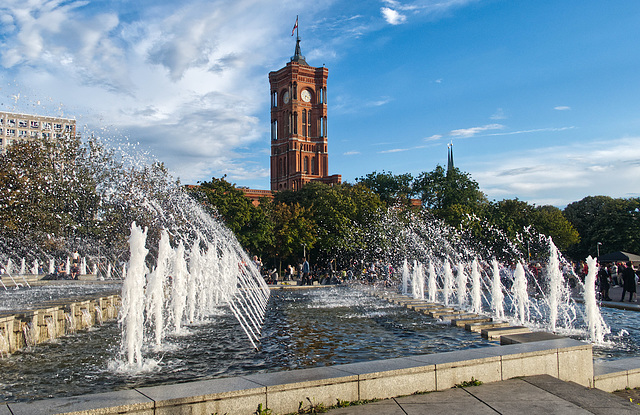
451,195
249,223
391,188
293,228
550,221
337,211
615,223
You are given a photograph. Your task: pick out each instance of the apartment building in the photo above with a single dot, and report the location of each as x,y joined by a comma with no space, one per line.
15,126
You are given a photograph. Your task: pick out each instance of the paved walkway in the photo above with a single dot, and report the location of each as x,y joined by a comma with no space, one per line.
541,394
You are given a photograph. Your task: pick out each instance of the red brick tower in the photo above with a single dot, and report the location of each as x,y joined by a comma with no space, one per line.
299,125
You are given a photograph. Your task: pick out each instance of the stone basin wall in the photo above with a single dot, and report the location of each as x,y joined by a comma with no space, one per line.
19,329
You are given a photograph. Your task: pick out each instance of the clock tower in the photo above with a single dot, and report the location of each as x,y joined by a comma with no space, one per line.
299,125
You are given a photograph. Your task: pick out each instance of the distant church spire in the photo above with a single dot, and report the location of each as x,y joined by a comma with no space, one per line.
450,166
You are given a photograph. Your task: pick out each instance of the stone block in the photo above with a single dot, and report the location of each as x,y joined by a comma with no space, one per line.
540,362
477,327
453,368
496,333
383,379
575,363
460,316
130,402
285,390
610,382
528,337
445,312
229,395
633,377
462,322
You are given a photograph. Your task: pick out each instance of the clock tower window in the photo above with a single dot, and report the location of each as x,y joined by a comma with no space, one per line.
295,122
304,122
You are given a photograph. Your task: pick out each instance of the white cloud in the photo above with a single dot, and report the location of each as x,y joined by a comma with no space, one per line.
380,102
535,130
351,153
470,132
562,108
180,78
392,16
563,174
434,137
394,150
499,115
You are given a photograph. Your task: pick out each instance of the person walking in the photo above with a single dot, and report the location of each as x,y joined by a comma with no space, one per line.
628,281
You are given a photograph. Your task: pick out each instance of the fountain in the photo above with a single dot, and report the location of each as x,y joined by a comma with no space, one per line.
193,304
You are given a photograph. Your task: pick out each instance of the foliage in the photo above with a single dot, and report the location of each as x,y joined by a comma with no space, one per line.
292,228
389,187
467,383
451,195
615,223
313,408
249,223
262,411
54,195
336,211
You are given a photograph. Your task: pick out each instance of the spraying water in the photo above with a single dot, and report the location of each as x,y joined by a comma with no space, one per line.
521,298
497,296
596,325
433,287
476,294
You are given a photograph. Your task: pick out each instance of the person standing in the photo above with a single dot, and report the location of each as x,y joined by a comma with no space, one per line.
305,272
603,282
628,281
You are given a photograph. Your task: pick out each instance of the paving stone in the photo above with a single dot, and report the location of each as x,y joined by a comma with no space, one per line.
386,407
593,400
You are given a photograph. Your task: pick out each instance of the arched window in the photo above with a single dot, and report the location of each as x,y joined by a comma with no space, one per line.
306,164
309,132
313,166
287,119
295,123
304,123
295,91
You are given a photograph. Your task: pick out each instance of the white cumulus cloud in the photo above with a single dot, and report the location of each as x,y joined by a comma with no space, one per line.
392,16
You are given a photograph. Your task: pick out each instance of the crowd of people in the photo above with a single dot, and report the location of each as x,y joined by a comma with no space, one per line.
618,275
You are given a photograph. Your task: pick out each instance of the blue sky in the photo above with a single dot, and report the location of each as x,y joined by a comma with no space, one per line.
541,99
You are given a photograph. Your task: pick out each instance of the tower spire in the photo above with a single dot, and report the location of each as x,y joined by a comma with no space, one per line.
297,54
450,166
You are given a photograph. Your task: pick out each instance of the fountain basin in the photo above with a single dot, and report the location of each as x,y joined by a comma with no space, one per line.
566,359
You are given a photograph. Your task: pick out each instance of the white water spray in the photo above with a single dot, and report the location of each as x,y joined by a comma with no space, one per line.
476,294
596,325
497,296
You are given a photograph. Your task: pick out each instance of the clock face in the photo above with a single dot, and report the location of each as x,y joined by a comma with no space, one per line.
285,97
305,95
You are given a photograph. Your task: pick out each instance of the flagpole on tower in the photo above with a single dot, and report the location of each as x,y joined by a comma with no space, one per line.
295,29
